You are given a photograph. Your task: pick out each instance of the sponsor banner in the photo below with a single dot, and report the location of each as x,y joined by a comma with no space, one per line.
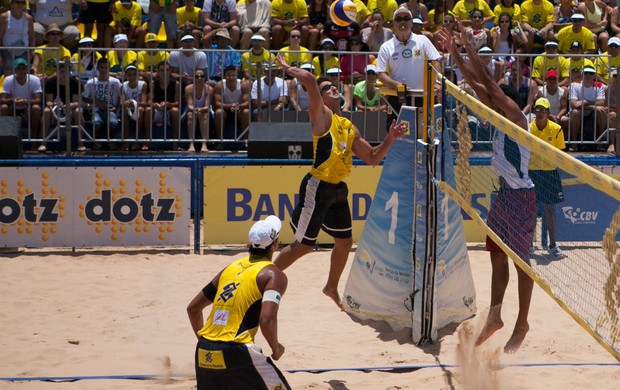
237,196
94,206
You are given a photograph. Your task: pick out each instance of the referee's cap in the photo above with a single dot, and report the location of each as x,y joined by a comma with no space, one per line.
264,232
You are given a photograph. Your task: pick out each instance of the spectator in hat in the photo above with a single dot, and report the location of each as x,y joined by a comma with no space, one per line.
127,19
365,96
148,60
546,177
47,12
274,92
298,95
86,60
376,34
163,110
576,63
198,96
537,20
46,57
222,56
103,94
55,109
596,20
186,61
121,57
231,99
353,65
327,60
551,60
295,54
99,12
254,18
346,90
588,107
285,16
576,33
495,67
220,14
134,100
252,62
163,11
21,97
557,97
190,22
608,60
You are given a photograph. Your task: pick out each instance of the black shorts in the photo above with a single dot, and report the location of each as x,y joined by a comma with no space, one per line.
548,186
96,12
324,206
235,366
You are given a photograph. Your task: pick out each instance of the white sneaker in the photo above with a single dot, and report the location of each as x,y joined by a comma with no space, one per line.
556,252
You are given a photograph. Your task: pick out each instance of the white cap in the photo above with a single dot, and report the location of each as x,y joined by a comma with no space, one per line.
371,67
257,37
402,10
551,43
120,37
333,71
86,40
485,49
263,233
134,112
615,40
307,66
577,16
187,37
417,21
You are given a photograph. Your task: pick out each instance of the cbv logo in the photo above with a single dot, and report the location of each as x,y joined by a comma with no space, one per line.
578,217
32,209
126,209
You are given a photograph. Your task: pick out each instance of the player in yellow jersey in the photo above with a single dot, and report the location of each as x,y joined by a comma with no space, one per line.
323,194
245,296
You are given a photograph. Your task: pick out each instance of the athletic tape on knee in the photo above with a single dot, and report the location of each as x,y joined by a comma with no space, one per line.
272,296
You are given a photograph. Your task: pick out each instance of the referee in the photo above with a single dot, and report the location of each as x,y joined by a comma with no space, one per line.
401,60
245,296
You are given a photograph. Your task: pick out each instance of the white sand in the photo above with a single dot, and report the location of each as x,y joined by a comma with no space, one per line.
108,314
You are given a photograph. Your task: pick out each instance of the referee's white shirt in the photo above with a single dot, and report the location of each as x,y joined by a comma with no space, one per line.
406,62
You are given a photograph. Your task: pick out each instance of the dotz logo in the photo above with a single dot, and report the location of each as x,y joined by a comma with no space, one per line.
578,217
115,207
26,211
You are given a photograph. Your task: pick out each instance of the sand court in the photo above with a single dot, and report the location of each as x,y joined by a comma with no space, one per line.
112,315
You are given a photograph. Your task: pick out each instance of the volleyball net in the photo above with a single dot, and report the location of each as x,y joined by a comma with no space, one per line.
583,215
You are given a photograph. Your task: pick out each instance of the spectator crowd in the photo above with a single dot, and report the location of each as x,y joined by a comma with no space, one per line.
196,68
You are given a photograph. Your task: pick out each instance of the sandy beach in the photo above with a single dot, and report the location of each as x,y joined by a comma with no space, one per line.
113,314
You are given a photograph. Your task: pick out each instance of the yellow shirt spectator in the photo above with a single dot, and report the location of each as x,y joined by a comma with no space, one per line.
296,59
296,9
463,9
514,11
116,65
126,17
543,64
576,64
248,58
537,16
49,58
183,16
566,36
149,63
603,63
362,11
386,8
331,62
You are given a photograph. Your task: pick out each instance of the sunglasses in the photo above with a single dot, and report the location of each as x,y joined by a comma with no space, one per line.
504,21
403,19
540,109
613,45
199,76
295,36
327,87
371,72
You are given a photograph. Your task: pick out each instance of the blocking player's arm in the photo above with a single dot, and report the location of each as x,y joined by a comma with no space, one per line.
316,109
204,298
272,282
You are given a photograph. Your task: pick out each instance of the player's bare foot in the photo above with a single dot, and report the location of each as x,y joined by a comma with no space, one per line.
518,335
493,324
333,294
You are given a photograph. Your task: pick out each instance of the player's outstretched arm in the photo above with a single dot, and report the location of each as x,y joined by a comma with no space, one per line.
374,155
